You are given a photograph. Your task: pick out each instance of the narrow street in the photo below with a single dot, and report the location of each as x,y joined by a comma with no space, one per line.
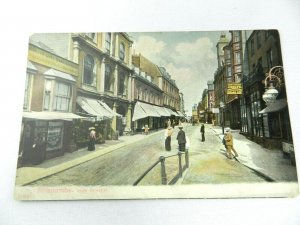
208,164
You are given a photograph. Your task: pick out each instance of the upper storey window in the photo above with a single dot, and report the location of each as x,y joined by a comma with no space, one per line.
122,51
108,41
88,76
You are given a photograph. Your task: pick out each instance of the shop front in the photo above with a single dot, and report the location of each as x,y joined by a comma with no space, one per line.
44,135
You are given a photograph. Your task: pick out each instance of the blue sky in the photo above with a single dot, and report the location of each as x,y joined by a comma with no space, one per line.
189,57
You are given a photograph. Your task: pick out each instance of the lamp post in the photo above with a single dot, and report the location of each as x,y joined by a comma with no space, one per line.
222,106
272,83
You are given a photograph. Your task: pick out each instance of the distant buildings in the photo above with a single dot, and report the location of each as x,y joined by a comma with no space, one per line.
239,86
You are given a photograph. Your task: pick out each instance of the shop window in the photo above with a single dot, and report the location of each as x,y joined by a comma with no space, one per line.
256,120
55,135
270,58
62,97
88,74
108,41
108,75
122,51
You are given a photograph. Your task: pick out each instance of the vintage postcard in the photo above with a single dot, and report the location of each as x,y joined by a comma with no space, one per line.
115,115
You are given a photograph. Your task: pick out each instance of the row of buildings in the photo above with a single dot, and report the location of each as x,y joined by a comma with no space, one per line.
79,80
249,69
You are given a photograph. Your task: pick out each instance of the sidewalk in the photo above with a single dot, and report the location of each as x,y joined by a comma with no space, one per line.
27,175
269,163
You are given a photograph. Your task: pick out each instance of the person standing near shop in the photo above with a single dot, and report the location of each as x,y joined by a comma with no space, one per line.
229,143
202,130
168,134
91,146
181,139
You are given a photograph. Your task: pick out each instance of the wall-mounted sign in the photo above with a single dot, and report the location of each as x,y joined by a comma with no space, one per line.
234,89
45,58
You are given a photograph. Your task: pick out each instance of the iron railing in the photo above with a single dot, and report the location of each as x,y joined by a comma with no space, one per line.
161,160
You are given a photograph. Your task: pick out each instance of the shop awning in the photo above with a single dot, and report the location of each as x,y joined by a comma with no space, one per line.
161,111
95,108
149,109
59,74
109,109
138,112
275,107
143,110
180,114
173,113
51,116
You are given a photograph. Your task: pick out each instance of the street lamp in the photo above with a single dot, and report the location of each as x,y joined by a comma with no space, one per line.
272,83
222,106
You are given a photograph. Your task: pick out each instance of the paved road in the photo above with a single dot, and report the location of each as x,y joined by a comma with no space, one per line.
125,165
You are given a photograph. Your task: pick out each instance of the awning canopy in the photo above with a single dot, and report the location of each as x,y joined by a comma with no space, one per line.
95,108
51,116
59,74
275,107
138,112
161,111
143,110
180,114
149,109
171,112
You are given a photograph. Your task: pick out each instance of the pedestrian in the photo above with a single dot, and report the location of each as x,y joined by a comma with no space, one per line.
181,139
146,130
229,143
202,130
39,149
168,134
91,146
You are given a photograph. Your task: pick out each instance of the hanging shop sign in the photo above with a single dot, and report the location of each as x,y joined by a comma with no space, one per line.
234,89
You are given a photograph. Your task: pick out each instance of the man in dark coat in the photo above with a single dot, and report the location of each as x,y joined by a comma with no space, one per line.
181,139
202,130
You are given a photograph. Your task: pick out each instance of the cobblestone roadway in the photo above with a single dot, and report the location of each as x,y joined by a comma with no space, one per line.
125,165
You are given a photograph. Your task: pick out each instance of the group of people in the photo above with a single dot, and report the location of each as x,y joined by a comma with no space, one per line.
181,138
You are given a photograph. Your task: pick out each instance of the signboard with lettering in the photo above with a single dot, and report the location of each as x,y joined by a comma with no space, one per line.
234,89
43,57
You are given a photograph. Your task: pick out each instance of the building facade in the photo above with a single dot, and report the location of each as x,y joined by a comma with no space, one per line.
266,124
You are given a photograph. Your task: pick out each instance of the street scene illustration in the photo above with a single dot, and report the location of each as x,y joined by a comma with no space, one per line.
154,109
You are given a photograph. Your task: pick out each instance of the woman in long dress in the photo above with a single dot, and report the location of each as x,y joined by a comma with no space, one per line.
168,134
92,141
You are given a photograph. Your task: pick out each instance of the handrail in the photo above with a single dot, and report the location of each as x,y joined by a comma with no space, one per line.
163,169
146,172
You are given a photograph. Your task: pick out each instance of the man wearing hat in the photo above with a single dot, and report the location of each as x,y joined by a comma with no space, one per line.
181,139
229,143
91,146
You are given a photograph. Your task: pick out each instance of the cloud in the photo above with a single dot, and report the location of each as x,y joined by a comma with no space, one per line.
190,64
194,63
148,46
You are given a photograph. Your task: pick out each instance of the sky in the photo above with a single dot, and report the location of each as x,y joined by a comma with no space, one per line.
189,57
